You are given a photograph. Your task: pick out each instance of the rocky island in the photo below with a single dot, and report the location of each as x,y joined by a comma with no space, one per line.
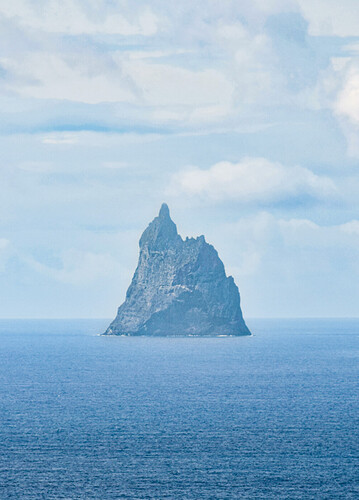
179,288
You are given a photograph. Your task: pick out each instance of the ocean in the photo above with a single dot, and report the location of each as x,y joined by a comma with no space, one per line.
272,416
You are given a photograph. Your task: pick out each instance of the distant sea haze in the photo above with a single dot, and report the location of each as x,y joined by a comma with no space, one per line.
272,416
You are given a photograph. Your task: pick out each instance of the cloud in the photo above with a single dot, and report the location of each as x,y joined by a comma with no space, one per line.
4,253
292,266
59,139
115,164
4,243
262,232
252,180
254,68
37,166
91,80
216,69
330,17
308,234
167,85
341,86
163,92
351,227
347,102
79,268
77,17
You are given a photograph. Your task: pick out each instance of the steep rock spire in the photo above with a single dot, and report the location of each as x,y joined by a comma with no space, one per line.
161,232
164,212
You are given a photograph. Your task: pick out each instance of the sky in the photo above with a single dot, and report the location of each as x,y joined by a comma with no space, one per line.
242,115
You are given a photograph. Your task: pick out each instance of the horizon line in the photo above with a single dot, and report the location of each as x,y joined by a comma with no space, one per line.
249,318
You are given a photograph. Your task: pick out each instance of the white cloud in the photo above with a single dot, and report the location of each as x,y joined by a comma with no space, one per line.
252,180
330,17
341,84
347,103
254,67
306,233
4,253
167,85
351,227
76,17
36,166
164,92
4,243
218,68
80,268
70,77
291,266
59,139
263,230
197,70
291,246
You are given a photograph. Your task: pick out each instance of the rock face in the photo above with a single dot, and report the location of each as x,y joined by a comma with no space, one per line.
179,288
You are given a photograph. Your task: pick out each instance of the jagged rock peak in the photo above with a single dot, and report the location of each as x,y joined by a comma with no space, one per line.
180,287
160,231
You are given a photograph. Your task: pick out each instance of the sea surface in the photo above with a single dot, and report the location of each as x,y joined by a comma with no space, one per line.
272,416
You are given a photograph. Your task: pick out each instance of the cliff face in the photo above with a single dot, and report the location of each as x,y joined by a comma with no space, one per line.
179,288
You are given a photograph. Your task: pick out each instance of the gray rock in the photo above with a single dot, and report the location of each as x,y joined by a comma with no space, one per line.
179,288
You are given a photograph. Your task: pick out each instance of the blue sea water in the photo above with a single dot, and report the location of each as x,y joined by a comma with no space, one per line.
274,415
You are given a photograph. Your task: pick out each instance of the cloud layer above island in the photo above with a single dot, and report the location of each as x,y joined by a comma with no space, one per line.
243,116
253,180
